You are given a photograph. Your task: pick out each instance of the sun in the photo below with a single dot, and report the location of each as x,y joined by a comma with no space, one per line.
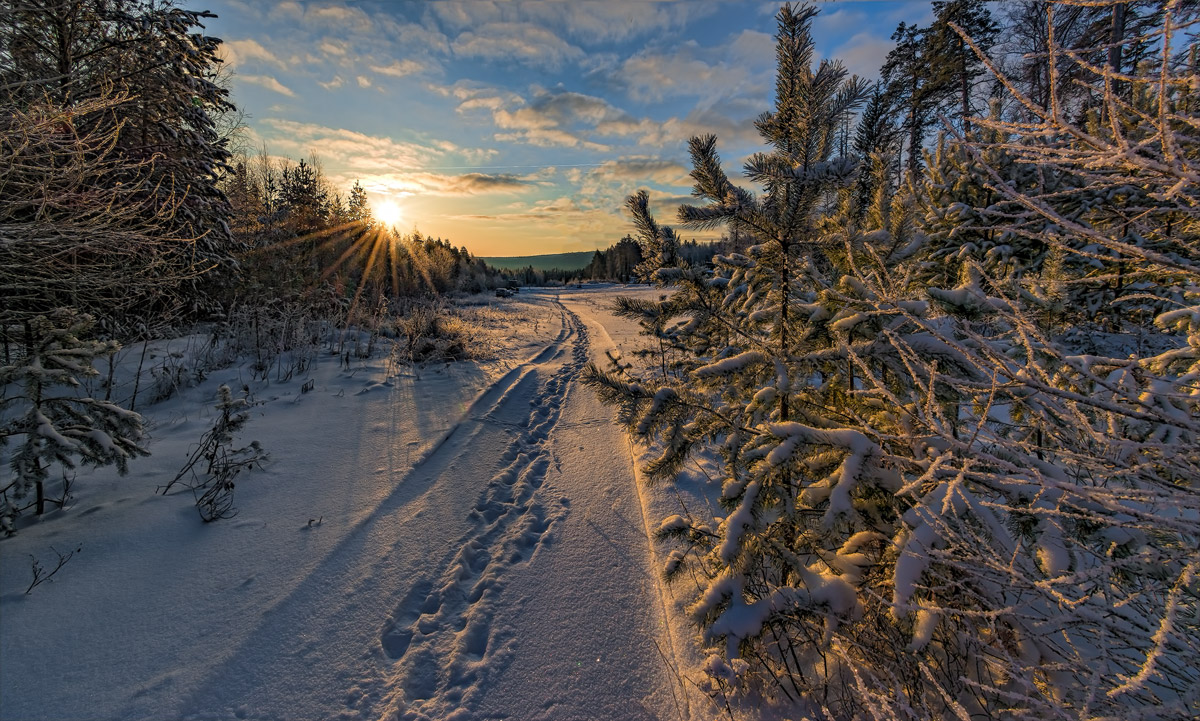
388,213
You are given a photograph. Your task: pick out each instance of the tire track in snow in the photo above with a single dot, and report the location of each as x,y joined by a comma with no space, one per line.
446,637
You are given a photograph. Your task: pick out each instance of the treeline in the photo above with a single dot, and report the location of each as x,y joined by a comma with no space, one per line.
296,234
617,263
125,215
122,197
948,394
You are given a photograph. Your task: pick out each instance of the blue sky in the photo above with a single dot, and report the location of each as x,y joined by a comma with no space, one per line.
517,128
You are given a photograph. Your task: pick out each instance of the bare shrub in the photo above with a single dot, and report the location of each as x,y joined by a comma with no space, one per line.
213,488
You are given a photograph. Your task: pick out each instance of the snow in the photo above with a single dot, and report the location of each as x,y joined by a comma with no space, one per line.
468,540
672,524
730,365
738,522
923,628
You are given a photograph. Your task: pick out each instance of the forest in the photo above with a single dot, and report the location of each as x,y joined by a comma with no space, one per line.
944,359
950,375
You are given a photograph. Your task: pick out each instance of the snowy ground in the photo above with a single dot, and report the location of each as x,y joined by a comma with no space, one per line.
469,541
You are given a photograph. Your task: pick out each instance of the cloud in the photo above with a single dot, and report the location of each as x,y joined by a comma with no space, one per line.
864,53
464,89
386,165
492,103
653,77
521,43
239,52
447,185
557,109
469,155
268,82
556,205
586,22
287,9
398,68
338,16
561,118
563,215
472,183
616,21
754,48
607,185
645,168
353,37
666,209
739,68
363,81
674,132
330,47
550,119
348,148
335,82
462,15
550,138
839,22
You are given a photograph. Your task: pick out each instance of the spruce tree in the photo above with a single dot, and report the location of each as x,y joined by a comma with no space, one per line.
759,373
69,53
50,422
933,504
358,209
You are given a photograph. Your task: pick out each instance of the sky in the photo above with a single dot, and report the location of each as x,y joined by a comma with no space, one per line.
519,128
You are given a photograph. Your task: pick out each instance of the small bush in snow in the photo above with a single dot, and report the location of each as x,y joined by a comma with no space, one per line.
213,487
436,331
41,574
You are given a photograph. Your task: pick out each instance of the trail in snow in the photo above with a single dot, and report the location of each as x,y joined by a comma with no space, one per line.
453,616
496,566
449,634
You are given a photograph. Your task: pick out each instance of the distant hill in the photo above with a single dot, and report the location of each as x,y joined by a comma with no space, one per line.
561,261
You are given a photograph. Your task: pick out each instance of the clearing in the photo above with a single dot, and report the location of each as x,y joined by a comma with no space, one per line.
462,541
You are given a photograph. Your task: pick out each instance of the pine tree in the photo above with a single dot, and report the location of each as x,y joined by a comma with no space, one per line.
303,197
968,222
933,504
932,71
955,66
51,422
659,244
876,143
358,209
904,73
70,53
246,202
762,362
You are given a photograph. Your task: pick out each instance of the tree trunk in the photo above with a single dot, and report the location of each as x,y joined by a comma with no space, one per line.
784,410
965,82
1116,36
914,134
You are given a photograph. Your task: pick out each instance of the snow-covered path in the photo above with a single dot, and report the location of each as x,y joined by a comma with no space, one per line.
505,574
